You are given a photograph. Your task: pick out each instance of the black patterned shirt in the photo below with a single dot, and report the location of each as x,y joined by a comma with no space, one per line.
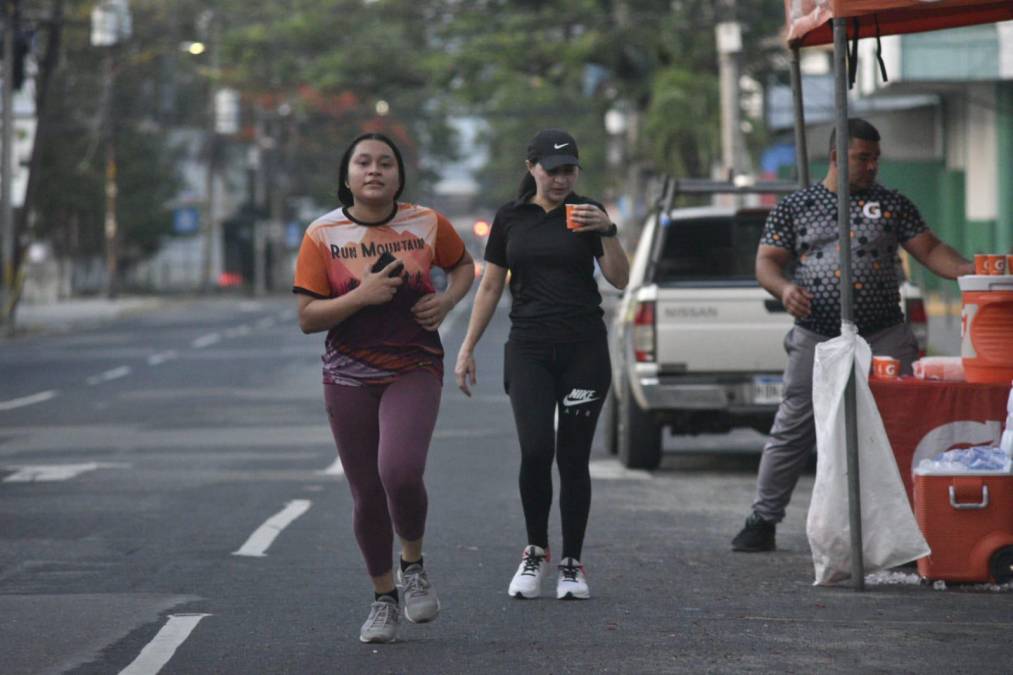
805,223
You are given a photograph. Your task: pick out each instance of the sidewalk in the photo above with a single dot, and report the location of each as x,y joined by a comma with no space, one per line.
66,315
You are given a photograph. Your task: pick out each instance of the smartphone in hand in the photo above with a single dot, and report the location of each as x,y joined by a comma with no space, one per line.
385,259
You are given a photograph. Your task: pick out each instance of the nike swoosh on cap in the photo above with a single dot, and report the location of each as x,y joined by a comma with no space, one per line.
559,147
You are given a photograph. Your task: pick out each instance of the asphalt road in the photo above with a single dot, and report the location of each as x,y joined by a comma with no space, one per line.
169,502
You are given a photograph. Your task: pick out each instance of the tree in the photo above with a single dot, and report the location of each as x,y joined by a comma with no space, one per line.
73,121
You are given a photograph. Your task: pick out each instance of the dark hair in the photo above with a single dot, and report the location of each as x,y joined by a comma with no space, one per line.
857,128
344,194
527,187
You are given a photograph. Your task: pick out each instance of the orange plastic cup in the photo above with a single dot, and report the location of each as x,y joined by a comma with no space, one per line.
571,224
885,367
981,263
997,264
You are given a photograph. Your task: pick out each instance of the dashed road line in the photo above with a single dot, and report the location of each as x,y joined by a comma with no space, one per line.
159,651
109,375
262,538
48,473
335,469
161,357
206,340
24,401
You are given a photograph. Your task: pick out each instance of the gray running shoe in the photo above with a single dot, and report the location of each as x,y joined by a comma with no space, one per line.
420,601
381,626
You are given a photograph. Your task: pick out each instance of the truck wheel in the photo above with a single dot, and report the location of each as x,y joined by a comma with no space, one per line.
638,435
610,423
1001,566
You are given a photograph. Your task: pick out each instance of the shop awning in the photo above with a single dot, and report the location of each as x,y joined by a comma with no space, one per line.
808,22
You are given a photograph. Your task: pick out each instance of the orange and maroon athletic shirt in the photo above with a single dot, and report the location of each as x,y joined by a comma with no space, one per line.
379,342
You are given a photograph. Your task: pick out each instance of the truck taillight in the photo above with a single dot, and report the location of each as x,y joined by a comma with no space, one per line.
918,320
643,332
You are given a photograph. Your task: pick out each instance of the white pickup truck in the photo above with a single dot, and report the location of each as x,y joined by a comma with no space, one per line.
696,343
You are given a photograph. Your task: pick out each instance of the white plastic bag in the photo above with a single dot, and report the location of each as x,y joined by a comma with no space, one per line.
890,533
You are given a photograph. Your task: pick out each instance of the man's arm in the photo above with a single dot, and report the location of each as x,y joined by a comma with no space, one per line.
771,262
939,257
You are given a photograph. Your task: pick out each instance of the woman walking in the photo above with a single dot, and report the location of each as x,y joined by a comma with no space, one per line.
363,275
557,353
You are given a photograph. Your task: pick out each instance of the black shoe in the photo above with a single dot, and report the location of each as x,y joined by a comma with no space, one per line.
756,536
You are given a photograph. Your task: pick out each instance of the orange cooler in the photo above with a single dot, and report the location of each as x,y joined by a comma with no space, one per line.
986,328
967,520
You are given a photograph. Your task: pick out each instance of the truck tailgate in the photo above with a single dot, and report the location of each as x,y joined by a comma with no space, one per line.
713,329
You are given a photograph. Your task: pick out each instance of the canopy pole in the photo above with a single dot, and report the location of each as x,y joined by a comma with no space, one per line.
801,149
847,309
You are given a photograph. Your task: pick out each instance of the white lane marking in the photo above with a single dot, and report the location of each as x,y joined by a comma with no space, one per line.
335,469
28,400
206,341
47,473
161,357
266,322
264,536
609,469
159,651
109,375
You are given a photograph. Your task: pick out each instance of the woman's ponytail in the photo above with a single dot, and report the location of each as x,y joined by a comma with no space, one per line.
527,186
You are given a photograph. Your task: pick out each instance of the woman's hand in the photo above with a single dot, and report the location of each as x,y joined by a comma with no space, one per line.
591,218
465,371
432,309
378,288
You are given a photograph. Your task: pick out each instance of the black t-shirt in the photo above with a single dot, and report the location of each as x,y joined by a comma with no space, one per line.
805,223
555,295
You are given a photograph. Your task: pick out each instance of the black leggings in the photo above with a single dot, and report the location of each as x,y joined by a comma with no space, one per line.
539,377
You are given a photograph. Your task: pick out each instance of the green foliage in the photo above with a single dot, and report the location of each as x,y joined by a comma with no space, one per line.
681,122
312,73
70,210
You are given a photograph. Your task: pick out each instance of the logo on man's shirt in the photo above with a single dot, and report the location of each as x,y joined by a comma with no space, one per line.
872,210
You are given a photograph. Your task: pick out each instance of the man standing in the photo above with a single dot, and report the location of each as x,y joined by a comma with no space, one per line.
802,230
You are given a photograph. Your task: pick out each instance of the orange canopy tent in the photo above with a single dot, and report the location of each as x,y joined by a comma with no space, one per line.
809,21
816,22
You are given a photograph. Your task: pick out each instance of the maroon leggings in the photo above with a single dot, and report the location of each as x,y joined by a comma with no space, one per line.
382,432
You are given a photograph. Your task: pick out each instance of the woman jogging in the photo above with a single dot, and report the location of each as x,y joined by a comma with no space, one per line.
557,354
363,275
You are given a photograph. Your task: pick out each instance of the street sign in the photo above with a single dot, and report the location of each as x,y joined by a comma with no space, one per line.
185,220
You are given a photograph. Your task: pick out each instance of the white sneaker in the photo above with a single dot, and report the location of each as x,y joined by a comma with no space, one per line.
527,581
572,584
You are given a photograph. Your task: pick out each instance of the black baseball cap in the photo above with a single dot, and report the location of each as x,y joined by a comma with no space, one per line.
553,148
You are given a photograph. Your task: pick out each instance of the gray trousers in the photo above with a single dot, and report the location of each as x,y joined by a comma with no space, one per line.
793,436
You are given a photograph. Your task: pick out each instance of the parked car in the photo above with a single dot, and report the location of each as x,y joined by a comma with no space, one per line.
696,342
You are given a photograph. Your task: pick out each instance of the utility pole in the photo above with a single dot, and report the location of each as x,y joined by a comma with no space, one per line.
111,224
111,24
729,42
6,148
211,226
